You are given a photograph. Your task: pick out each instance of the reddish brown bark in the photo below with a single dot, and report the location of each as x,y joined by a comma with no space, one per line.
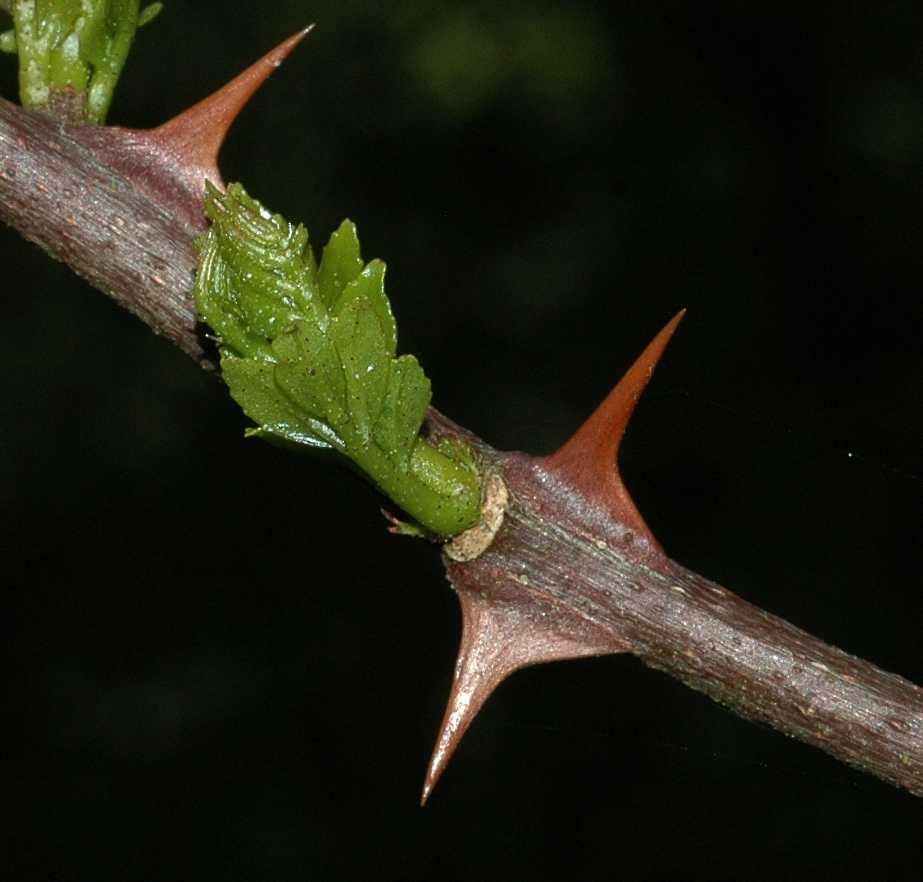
556,570
573,570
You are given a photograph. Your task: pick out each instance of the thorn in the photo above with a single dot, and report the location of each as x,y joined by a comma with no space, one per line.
589,459
496,640
194,137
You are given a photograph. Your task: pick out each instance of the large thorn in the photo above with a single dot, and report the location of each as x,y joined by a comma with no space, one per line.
588,461
172,162
497,639
194,138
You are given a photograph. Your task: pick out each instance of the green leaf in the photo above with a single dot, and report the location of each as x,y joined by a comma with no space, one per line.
370,285
340,263
256,273
252,386
310,355
217,299
357,338
403,408
310,374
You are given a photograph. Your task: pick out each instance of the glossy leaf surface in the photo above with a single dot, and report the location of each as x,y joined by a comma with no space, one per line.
309,353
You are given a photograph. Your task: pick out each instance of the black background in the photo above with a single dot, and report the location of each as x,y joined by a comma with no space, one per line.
222,667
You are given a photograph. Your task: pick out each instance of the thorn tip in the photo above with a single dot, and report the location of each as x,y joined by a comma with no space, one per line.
589,459
195,136
497,639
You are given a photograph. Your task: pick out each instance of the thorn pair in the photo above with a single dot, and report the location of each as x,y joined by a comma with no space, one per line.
502,636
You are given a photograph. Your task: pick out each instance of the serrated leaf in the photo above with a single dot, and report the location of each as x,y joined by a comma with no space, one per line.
340,263
357,337
405,402
217,304
263,248
370,285
310,374
252,385
255,275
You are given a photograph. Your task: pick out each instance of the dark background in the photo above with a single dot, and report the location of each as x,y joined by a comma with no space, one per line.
222,667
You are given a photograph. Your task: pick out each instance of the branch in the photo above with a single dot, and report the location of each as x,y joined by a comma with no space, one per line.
61,189
123,207
572,571
557,562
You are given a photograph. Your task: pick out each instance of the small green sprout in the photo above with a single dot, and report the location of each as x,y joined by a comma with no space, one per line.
309,353
74,45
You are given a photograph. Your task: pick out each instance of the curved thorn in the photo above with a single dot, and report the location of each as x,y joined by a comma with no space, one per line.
588,460
481,666
497,639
